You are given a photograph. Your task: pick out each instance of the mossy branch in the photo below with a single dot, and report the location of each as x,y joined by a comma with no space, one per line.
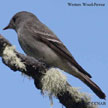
49,80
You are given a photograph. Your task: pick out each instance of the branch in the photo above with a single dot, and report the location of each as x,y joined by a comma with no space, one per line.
49,80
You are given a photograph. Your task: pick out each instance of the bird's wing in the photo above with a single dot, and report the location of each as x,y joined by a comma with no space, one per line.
50,39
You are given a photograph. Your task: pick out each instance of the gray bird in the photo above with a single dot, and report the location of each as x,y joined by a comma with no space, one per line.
38,41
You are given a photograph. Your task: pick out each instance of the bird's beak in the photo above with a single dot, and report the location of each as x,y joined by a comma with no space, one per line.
7,27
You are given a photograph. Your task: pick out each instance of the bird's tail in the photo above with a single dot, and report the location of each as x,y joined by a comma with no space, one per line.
92,85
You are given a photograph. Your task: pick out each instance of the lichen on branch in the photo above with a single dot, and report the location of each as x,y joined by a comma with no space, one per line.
49,80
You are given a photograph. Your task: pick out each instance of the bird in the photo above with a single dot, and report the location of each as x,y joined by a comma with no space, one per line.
38,41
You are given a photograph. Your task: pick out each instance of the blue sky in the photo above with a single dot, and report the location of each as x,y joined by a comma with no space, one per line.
84,31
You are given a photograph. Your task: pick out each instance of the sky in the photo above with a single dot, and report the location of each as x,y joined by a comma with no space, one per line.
83,30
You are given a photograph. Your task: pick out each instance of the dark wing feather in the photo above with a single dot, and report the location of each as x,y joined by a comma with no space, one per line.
50,39
62,50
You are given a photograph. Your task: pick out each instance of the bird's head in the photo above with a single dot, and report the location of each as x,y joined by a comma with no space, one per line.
18,19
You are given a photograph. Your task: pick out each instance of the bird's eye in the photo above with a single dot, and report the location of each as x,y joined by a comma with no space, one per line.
14,19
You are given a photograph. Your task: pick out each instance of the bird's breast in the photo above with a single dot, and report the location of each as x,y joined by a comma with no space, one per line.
37,49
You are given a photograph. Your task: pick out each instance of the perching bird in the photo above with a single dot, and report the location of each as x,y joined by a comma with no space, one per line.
38,41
